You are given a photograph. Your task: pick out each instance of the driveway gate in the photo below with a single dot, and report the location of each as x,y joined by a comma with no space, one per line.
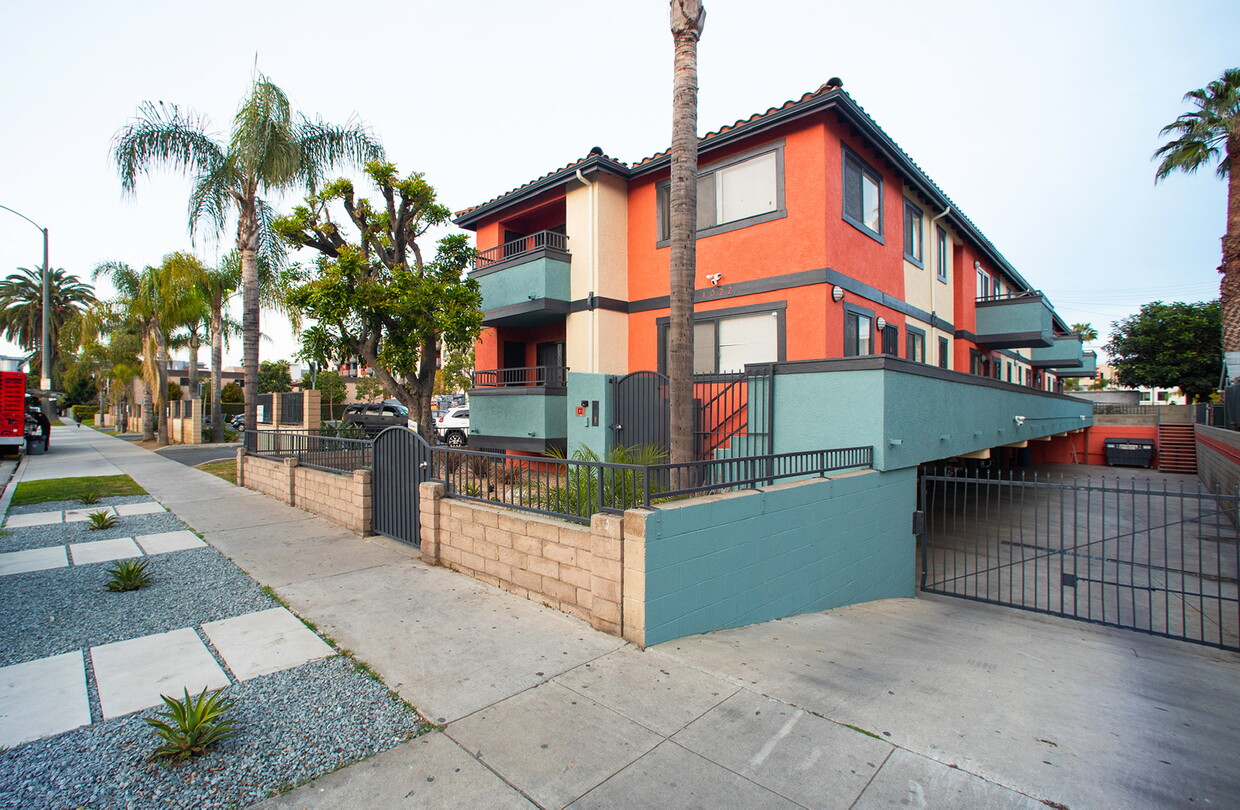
402,462
1159,560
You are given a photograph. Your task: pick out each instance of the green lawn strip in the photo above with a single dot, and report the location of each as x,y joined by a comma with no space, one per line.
69,489
224,468
55,421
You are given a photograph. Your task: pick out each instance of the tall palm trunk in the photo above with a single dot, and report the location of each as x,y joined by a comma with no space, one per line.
247,243
148,412
1229,288
195,342
687,20
161,387
217,374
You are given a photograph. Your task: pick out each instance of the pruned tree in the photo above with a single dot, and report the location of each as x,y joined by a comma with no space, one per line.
374,296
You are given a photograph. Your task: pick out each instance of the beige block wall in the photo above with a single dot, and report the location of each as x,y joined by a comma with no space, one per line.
572,568
343,499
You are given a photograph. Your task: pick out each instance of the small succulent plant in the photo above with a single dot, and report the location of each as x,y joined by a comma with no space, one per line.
89,498
102,520
190,726
128,575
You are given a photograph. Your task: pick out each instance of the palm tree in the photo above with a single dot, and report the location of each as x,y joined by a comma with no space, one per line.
270,150
1209,133
687,20
1087,332
21,306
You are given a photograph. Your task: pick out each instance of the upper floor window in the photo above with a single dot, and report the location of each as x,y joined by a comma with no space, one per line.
858,334
914,345
983,284
912,233
940,249
944,360
863,196
727,340
734,193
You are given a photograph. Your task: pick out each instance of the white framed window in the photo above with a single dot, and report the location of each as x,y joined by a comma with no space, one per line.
983,284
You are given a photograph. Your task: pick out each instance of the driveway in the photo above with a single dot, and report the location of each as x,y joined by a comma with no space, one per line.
191,455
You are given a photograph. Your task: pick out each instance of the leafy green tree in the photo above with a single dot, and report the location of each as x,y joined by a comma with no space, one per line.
376,298
1169,346
1211,133
174,391
270,150
454,372
330,386
274,377
21,308
232,393
369,389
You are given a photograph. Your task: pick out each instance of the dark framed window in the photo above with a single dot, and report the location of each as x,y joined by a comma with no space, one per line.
914,344
891,340
858,332
734,193
940,253
978,364
913,228
863,196
944,360
729,339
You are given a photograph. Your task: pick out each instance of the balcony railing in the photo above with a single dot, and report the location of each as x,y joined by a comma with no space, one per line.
551,376
1011,296
526,244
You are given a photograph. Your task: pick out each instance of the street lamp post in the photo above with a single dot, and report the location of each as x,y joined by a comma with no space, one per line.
45,349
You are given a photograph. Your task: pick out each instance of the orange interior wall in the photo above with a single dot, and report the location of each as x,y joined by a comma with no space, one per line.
1090,444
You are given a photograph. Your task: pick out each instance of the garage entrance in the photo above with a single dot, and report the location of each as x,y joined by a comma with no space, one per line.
1142,553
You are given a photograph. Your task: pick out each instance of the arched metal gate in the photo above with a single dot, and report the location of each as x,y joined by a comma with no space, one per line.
402,463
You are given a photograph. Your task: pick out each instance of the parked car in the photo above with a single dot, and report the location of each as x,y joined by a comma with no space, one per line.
453,427
375,416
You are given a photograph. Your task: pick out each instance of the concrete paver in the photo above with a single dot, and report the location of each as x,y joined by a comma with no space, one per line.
671,776
553,742
34,559
662,695
431,771
131,509
34,519
810,760
79,515
164,542
908,780
104,550
264,642
41,698
132,674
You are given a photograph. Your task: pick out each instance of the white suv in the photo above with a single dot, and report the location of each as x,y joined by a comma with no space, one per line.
453,427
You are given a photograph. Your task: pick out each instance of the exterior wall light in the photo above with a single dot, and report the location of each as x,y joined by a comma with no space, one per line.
1020,420
881,323
837,294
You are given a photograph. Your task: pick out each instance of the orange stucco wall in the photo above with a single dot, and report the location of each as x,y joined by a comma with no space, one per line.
1090,444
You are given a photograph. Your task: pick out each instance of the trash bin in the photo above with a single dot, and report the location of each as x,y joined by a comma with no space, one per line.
35,445
1129,452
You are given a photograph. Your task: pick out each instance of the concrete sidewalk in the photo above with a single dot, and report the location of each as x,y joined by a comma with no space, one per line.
925,702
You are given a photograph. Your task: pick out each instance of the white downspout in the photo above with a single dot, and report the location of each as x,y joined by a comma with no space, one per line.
593,353
934,275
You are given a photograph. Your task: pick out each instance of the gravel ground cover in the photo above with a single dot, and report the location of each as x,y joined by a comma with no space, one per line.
52,506
60,534
292,726
63,609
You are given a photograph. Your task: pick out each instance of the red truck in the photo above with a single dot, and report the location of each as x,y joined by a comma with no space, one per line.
12,411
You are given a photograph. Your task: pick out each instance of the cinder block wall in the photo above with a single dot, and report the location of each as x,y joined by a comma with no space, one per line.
730,560
571,568
1218,459
343,499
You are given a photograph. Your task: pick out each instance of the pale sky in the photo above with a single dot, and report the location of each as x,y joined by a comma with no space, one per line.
1037,119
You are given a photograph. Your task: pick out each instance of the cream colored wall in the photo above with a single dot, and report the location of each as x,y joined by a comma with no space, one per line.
596,222
923,289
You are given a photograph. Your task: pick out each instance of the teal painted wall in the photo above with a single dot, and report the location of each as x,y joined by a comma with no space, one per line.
1019,315
534,416
1065,349
538,278
792,549
909,418
581,433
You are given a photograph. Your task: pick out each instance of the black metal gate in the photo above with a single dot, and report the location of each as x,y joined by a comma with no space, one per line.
402,461
1159,559
640,407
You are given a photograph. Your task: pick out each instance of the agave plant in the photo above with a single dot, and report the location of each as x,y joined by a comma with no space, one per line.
102,520
89,498
128,575
191,725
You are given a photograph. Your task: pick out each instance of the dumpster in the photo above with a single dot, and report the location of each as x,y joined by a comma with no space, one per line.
1129,452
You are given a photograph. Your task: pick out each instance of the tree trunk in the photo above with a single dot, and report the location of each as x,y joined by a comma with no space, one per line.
1229,287
687,19
194,342
148,412
247,243
217,373
425,390
161,389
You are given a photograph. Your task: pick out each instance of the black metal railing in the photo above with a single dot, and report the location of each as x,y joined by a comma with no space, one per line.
1145,410
312,449
517,247
574,489
1011,296
1133,553
553,376
291,408
265,412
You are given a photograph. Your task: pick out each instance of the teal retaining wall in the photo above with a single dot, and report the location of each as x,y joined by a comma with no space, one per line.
732,560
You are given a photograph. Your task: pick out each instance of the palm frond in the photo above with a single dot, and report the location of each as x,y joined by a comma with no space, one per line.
211,197
163,135
263,147
325,146
1200,136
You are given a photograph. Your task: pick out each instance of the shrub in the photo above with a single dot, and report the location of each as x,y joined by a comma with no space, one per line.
89,498
128,575
190,726
102,520
621,489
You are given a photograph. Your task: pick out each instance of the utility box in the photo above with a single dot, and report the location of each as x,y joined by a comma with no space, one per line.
1129,452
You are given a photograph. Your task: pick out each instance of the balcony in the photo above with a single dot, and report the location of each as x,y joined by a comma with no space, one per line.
522,409
525,282
1089,367
1014,321
1064,353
